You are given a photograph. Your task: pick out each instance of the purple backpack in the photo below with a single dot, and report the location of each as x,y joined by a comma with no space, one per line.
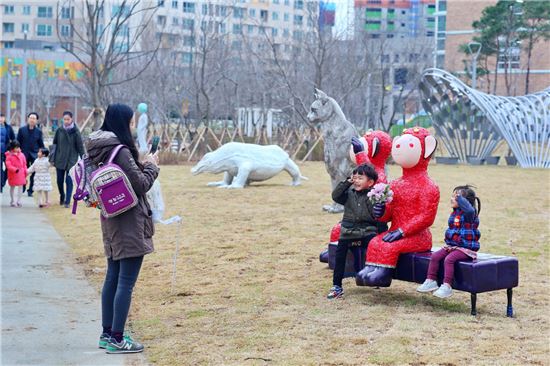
105,186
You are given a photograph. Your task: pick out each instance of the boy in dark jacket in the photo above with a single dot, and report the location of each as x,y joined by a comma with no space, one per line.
358,224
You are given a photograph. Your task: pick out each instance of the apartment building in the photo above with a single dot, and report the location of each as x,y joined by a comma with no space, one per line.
458,17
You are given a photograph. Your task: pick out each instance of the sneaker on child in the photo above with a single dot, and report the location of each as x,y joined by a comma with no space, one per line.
335,292
444,291
427,286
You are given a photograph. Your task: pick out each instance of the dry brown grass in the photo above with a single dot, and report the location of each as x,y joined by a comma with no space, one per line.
250,287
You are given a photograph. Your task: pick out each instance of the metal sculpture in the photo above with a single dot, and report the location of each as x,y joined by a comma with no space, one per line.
470,123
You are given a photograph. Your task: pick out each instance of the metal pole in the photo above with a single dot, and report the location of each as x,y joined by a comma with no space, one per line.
474,72
8,97
24,86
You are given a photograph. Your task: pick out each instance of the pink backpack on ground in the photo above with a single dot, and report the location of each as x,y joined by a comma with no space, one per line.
105,186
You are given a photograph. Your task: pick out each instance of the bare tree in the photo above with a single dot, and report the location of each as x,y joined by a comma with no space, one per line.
102,45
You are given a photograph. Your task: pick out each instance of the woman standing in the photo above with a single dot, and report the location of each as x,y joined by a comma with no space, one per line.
128,236
68,147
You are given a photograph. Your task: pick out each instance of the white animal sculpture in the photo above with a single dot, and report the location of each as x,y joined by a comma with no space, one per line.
337,132
245,163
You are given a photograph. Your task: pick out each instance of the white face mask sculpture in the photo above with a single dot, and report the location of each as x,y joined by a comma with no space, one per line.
245,163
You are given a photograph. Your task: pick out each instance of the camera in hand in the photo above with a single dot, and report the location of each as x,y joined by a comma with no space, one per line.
154,144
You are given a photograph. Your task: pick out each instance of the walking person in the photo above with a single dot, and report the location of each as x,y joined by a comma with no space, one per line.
68,148
6,136
16,165
42,179
127,237
30,138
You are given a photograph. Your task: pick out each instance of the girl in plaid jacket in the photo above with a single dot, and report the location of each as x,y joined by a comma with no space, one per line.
461,239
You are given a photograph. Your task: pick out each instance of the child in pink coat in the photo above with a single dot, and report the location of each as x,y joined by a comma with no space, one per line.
17,171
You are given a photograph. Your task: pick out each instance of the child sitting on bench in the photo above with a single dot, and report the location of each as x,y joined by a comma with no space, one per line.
461,239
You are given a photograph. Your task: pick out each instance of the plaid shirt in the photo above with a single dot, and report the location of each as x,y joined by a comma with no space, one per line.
463,224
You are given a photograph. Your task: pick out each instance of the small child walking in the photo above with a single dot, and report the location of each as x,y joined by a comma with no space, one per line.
358,224
16,165
42,177
461,239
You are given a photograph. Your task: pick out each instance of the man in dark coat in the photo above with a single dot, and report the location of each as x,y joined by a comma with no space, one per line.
68,147
30,138
6,136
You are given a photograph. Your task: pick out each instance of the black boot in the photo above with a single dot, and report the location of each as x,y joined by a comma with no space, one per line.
380,277
361,276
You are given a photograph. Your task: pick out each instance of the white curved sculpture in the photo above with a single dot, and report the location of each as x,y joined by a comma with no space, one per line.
337,132
523,121
245,163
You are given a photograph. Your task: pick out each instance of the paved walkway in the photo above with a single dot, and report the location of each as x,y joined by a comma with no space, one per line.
50,313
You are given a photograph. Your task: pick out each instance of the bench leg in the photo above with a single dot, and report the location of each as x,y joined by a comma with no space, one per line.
509,308
473,297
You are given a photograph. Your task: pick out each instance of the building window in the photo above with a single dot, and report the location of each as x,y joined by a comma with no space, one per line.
160,3
45,12
26,10
396,57
274,32
237,29
286,17
222,28
442,5
297,35
400,76
223,10
391,13
238,13
508,58
264,15
8,27
430,33
275,1
373,13
187,57
66,13
286,33
385,58
43,30
8,44
371,25
441,24
9,9
204,9
298,4
188,24
250,29
252,13
189,41
174,4
188,7
65,30
161,20
25,27
298,19
274,15
175,21
287,2
441,44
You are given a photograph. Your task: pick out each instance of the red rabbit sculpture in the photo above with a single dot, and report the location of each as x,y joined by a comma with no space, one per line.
412,211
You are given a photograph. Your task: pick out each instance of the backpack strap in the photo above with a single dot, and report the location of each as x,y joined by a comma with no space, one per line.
79,175
114,153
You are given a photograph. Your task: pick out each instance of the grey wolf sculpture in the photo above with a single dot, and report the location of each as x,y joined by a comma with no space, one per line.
337,132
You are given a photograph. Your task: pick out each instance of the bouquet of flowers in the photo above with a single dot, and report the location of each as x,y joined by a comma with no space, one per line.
380,193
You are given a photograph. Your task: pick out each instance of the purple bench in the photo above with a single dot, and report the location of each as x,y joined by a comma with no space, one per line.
487,273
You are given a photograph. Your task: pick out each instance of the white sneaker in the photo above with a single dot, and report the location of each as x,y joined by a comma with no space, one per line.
444,291
427,286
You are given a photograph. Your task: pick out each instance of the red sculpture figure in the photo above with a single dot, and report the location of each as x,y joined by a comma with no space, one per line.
412,211
375,148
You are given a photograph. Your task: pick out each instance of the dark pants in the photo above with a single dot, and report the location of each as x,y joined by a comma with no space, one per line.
30,160
449,265
64,177
4,171
342,252
117,291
